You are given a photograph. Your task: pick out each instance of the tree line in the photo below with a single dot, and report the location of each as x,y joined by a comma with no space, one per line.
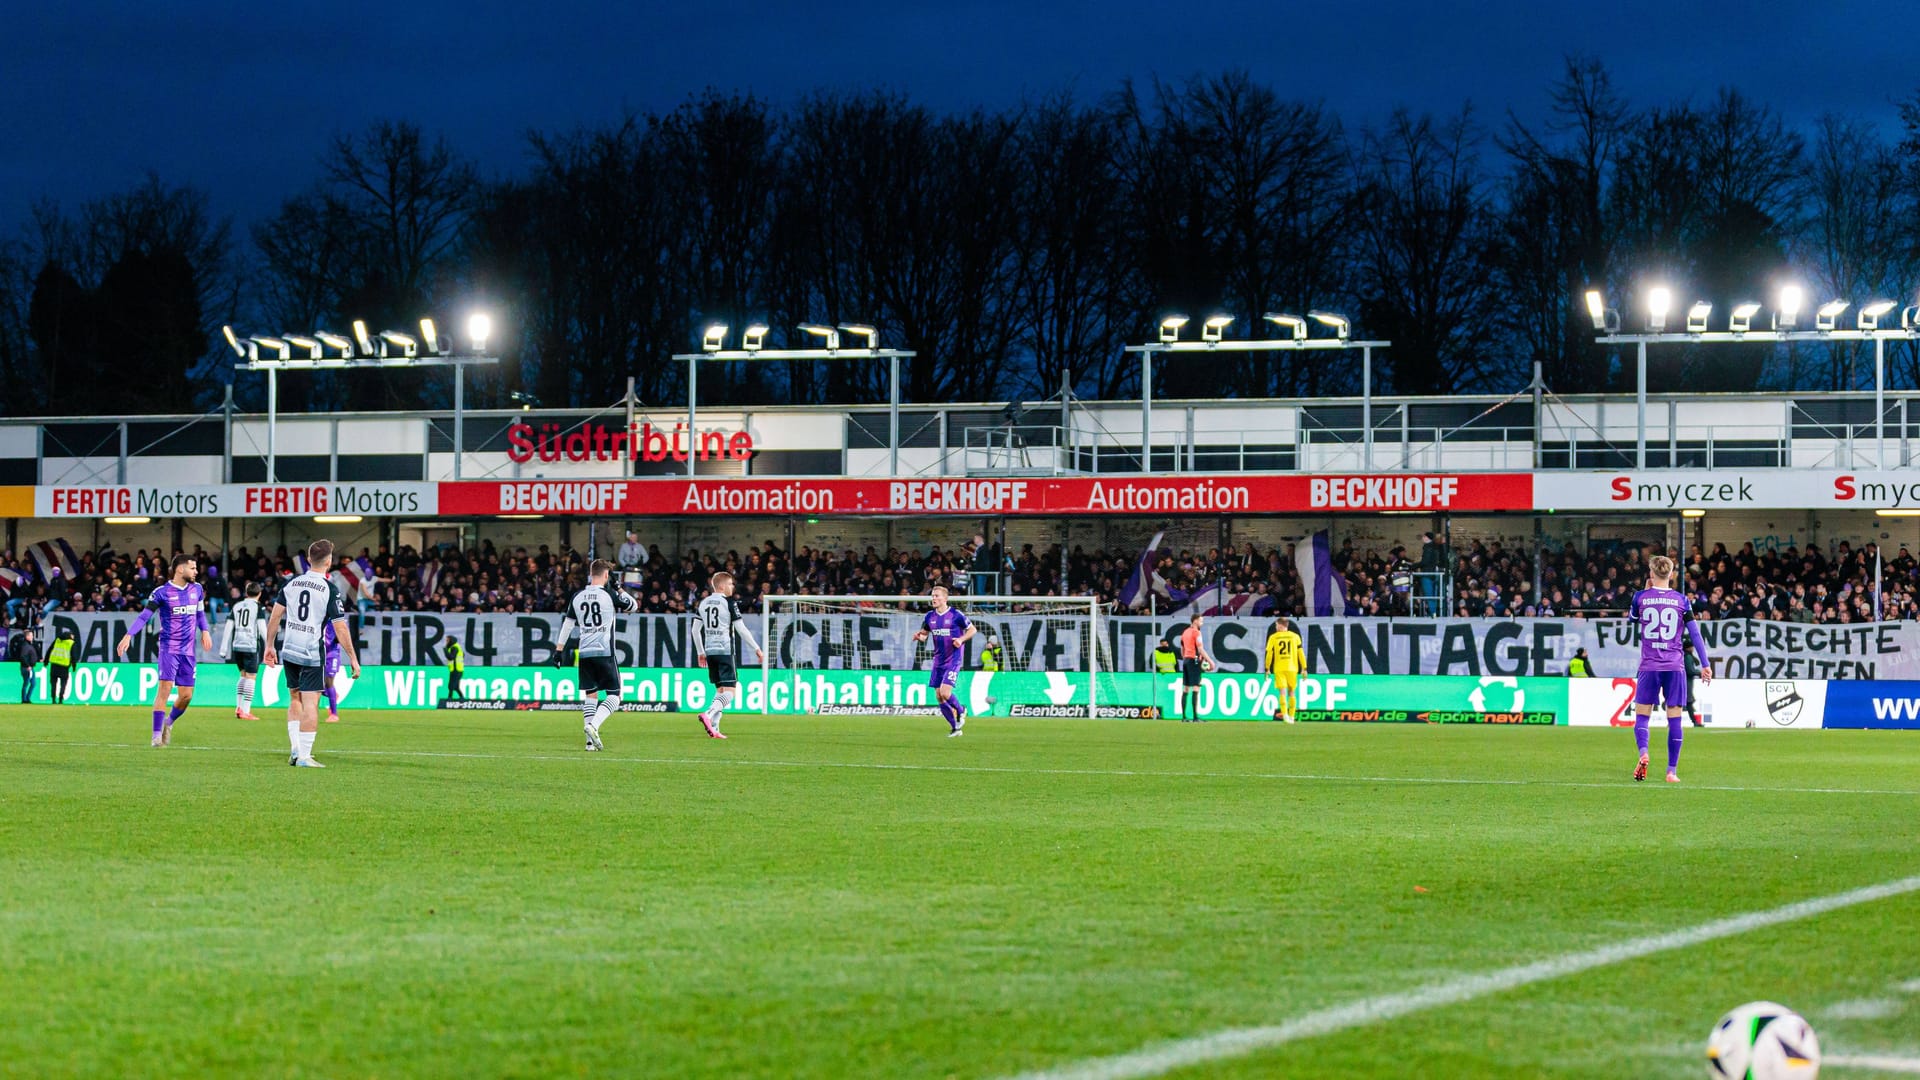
1015,250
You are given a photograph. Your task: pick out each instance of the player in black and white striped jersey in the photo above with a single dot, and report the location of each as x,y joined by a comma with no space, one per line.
591,612
243,646
308,603
716,622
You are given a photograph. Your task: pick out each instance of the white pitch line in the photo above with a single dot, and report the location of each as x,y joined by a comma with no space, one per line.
771,763
1876,1062
1239,1042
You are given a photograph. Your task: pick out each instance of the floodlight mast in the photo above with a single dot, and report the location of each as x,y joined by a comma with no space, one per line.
753,347
1789,303
323,350
1213,340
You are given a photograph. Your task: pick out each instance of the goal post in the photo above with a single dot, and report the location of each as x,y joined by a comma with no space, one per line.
1058,646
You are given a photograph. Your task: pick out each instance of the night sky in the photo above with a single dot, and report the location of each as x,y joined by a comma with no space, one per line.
239,99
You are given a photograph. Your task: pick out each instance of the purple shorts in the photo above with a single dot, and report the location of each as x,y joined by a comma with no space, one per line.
1653,686
944,675
176,668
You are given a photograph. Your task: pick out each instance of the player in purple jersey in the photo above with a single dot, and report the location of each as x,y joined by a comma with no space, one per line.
949,629
180,605
1666,629
329,667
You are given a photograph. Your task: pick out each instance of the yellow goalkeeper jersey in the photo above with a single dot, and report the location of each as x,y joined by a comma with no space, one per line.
1285,654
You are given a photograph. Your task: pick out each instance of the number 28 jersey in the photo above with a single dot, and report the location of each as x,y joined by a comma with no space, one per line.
1663,617
311,603
592,610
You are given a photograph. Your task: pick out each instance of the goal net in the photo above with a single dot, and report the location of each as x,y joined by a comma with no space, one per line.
856,654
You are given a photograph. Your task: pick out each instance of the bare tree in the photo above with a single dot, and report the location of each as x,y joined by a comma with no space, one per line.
1073,291
1852,240
1555,235
1237,201
1425,258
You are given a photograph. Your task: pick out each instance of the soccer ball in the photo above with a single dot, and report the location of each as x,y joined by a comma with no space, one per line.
1763,1041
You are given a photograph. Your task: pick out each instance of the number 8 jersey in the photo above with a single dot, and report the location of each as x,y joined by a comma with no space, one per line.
311,602
1665,621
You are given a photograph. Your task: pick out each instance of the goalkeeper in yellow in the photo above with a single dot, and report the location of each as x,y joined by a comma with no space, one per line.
1286,659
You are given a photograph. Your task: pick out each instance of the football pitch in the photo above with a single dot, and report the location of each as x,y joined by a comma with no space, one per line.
473,895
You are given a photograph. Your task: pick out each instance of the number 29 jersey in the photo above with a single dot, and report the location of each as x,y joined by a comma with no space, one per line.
1663,617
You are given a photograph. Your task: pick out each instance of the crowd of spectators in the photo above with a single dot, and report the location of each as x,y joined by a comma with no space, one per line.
1808,584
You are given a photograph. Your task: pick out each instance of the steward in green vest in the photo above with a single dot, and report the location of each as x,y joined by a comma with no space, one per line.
1165,660
456,668
59,666
1580,667
992,659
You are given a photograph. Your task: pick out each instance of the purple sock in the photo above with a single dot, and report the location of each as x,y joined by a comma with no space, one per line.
174,713
950,709
1640,722
333,705
1676,731
159,718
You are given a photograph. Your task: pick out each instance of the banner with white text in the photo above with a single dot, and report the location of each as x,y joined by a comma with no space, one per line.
877,639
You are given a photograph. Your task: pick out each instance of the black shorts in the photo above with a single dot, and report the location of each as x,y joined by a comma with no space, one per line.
1190,672
247,662
599,673
305,678
720,671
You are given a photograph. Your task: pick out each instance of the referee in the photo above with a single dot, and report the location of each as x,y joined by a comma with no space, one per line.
1193,661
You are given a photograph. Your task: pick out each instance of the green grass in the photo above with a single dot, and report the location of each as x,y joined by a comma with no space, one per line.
461,895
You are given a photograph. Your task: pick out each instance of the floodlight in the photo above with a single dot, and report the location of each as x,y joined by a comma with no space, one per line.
1870,313
754,338
335,341
479,328
306,345
1742,318
1170,327
1214,327
280,349
395,345
431,340
1910,317
1342,326
233,342
715,338
826,333
1829,314
1597,309
1659,302
865,331
1792,297
360,335
1697,317
1295,326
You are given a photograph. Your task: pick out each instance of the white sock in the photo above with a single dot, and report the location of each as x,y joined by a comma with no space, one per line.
293,735
246,693
605,709
306,744
588,706
721,701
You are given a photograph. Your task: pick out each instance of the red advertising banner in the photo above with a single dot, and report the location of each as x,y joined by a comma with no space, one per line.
1288,494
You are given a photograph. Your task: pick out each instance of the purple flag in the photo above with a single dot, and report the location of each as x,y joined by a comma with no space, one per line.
1324,588
1133,596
